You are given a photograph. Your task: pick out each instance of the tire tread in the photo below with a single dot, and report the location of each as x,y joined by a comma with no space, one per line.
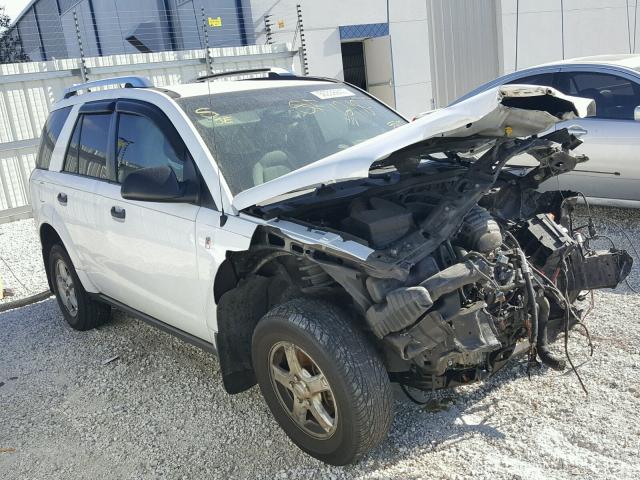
361,365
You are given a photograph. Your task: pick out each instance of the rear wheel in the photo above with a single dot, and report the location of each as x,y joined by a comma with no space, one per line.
79,310
323,381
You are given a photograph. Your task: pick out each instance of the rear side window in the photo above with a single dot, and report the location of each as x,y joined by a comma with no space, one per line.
87,152
50,134
141,144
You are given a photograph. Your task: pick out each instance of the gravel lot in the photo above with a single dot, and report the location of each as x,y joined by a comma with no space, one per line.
159,409
21,265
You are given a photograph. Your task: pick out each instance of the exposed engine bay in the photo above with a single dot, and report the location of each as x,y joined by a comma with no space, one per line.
470,264
451,260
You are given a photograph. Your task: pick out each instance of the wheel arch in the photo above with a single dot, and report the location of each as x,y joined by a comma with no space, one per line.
274,269
50,236
243,294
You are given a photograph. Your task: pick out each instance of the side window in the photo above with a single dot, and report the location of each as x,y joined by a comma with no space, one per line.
87,151
141,144
615,97
94,138
542,79
50,134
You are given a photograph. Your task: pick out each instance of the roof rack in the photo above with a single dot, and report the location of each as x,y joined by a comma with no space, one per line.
273,73
129,82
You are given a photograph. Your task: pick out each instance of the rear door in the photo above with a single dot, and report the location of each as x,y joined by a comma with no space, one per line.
612,138
73,190
40,181
148,259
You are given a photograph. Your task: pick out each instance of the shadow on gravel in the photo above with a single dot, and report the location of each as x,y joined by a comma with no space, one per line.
448,418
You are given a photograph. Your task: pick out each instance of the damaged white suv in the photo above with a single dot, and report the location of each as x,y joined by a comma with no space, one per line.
323,246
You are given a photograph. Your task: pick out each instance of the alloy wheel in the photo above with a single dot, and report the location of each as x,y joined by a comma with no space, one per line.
303,390
66,287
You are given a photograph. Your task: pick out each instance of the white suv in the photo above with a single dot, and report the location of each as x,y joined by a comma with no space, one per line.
322,245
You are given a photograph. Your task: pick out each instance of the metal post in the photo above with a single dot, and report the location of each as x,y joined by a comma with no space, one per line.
207,57
267,29
303,45
562,25
83,64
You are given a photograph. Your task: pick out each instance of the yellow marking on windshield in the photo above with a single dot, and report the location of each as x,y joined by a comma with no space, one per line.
348,107
206,112
305,107
211,117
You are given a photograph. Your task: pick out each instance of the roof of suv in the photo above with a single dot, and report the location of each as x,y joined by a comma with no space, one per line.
223,86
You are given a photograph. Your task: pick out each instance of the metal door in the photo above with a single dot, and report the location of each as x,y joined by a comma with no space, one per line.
377,56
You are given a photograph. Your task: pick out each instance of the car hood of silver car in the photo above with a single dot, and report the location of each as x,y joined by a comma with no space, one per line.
504,111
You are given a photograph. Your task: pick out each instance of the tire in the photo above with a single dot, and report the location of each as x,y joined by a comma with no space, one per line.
357,404
79,310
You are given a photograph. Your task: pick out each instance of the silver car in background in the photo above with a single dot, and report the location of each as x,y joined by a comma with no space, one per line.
611,137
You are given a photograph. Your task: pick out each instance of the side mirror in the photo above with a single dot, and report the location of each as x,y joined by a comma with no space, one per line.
158,184
636,114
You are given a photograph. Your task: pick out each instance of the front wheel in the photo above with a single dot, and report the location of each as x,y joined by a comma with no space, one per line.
323,381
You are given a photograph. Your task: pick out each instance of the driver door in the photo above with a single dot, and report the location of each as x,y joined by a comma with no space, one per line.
149,250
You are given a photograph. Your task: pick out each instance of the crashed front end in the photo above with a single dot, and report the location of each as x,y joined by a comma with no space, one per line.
452,259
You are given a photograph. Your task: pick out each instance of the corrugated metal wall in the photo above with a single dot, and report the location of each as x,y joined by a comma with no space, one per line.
463,46
48,31
27,91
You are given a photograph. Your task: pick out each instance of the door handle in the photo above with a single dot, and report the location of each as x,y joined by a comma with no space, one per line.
62,198
118,212
577,131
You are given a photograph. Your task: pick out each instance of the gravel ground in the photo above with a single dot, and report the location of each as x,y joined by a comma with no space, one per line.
159,409
21,267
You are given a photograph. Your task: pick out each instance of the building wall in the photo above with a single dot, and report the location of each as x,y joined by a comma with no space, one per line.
408,29
464,46
591,27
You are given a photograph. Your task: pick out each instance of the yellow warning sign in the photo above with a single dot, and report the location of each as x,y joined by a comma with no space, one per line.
215,22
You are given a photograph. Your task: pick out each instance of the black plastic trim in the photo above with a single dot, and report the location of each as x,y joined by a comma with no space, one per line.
111,149
98,106
154,322
166,91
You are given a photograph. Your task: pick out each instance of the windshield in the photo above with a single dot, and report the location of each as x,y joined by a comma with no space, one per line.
258,135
